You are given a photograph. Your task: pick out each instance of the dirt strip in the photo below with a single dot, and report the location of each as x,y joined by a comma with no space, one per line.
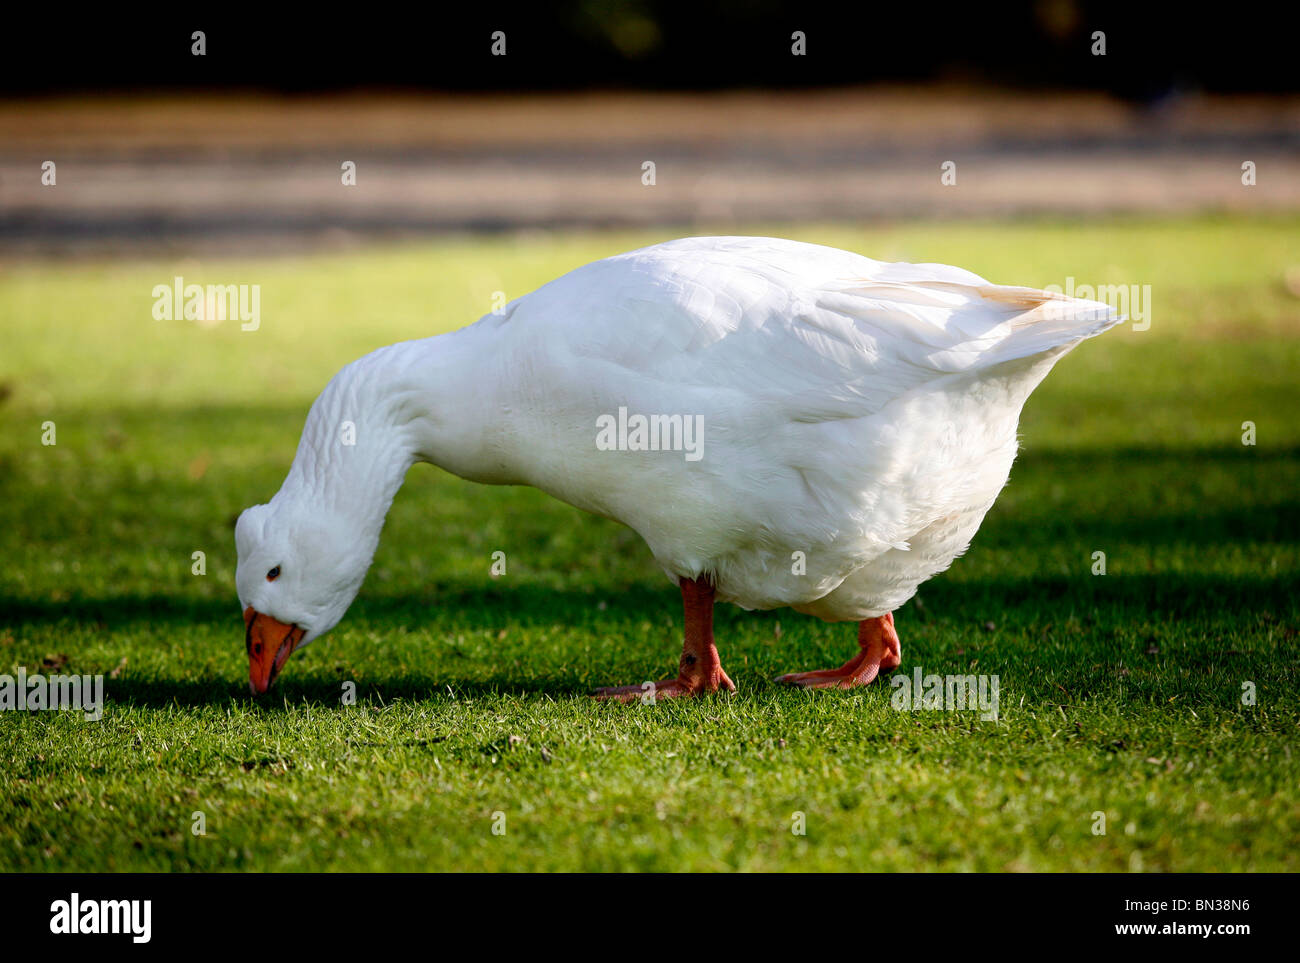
209,171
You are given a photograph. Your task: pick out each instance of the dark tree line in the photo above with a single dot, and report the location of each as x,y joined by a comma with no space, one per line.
652,44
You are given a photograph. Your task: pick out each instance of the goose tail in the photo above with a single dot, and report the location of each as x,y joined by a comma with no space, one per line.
1044,322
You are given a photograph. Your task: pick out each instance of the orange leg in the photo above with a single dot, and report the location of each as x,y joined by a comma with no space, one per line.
699,671
878,649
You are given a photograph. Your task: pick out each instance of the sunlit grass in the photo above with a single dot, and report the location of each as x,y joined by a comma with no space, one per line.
1119,693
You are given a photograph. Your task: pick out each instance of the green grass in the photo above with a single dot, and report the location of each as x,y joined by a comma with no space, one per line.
1119,693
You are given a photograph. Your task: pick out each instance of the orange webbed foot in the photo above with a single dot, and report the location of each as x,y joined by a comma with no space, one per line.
698,672
879,651
681,687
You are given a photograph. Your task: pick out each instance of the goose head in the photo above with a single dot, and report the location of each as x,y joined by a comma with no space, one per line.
300,567
304,554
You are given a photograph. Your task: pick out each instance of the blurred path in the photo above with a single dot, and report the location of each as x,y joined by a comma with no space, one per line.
215,173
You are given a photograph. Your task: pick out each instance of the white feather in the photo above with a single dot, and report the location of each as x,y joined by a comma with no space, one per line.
860,413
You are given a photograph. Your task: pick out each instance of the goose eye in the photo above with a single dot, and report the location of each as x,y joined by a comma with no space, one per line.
272,575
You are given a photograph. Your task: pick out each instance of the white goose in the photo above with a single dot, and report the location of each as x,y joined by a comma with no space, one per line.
784,424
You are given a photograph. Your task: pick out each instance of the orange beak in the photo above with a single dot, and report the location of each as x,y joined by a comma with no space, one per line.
269,644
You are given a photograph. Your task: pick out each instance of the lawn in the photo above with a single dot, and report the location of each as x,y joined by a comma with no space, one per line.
1120,693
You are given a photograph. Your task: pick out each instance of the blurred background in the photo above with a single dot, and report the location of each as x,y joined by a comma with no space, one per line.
241,148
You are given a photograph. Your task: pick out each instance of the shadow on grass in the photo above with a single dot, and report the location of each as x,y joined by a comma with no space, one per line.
296,690
470,608
1107,602
1260,507
476,607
